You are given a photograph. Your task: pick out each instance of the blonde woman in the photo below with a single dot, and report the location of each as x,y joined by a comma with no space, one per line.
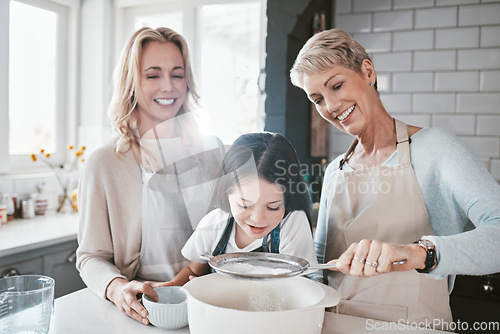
142,193
399,193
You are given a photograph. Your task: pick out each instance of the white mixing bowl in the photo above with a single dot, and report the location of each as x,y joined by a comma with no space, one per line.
222,305
170,312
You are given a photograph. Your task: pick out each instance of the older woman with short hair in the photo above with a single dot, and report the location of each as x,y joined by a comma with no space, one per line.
400,193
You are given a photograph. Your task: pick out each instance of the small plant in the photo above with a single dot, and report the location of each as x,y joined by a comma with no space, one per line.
62,172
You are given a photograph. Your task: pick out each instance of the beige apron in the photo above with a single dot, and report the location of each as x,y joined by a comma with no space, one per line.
385,204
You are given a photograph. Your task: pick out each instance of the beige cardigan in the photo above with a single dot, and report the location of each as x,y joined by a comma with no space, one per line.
109,201
110,213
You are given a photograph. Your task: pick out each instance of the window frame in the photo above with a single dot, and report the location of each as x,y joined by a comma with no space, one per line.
65,84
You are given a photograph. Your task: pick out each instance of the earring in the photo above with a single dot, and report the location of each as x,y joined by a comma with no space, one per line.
371,83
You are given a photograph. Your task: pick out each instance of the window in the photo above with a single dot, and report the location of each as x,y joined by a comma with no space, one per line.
229,41
36,87
226,40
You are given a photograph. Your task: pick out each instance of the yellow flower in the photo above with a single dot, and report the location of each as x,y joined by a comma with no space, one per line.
47,155
42,150
70,147
33,157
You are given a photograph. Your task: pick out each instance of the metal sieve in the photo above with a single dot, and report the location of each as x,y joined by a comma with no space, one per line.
262,266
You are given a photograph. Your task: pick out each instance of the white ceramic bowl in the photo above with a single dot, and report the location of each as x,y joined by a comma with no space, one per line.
219,304
170,312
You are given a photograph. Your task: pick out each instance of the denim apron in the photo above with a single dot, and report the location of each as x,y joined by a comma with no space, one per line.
273,239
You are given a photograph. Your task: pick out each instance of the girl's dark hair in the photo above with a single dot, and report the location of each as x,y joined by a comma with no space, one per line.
274,159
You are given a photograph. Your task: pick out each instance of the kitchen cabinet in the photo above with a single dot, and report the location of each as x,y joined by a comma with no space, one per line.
56,261
476,299
42,245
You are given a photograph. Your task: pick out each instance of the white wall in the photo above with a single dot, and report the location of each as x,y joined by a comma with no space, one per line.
438,65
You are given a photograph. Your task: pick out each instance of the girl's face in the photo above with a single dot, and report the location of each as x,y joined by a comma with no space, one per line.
162,84
257,207
342,96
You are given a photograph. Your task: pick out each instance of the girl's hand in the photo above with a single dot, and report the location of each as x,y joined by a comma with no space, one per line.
371,258
124,295
160,284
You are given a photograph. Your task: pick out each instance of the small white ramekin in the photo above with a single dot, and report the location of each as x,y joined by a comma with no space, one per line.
170,312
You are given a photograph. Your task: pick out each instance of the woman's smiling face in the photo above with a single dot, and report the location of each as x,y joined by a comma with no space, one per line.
162,84
342,96
258,207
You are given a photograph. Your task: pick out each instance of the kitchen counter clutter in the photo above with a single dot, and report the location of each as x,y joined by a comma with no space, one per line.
83,312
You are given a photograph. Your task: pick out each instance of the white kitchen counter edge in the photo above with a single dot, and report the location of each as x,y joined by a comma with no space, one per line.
20,235
84,312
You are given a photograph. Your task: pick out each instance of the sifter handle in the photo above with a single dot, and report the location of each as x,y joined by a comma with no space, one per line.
322,266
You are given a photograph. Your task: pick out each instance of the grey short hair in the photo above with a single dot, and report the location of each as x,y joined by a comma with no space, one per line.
325,49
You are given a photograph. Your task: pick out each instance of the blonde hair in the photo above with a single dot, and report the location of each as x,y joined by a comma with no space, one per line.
123,107
325,49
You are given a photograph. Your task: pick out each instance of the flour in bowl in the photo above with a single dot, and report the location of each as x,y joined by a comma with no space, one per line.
251,269
260,300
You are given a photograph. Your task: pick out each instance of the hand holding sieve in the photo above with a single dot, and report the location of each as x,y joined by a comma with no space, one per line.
262,266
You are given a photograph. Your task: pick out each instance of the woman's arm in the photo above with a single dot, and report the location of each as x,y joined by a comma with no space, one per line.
470,194
457,188
95,247
109,235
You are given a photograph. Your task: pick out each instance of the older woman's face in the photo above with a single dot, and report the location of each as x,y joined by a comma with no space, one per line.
342,96
162,83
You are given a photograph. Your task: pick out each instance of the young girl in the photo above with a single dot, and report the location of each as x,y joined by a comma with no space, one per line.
258,206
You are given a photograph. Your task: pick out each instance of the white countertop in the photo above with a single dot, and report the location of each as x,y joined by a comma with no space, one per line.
83,312
24,234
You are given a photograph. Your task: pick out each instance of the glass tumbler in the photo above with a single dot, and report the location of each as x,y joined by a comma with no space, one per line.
26,304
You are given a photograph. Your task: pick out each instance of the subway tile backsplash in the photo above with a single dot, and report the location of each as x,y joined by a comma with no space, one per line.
436,17
458,124
457,38
457,81
392,62
490,36
375,42
479,15
405,4
413,82
413,40
400,103
479,103
479,59
488,125
434,60
433,103
355,22
387,21
439,65
371,5
490,81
